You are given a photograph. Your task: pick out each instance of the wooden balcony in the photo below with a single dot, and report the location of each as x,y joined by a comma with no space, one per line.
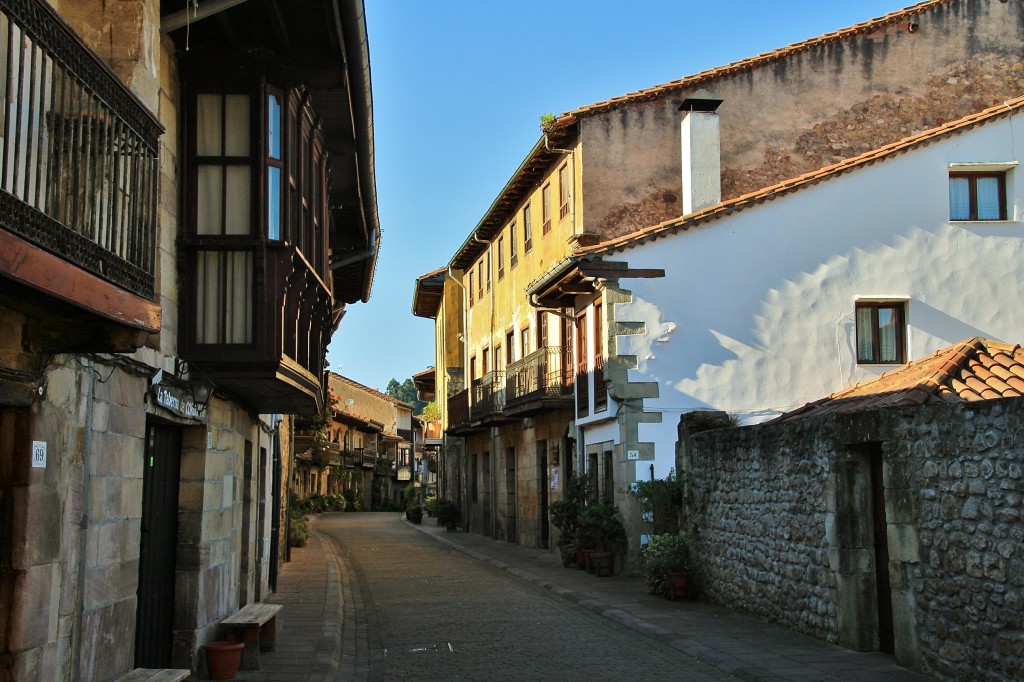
538,383
264,339
78,188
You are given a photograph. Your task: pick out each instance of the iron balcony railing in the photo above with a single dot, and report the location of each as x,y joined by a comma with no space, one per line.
458,408
538,375
600,387
79,153
488,395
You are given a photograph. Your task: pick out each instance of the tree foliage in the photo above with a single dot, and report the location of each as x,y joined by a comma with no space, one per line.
406,392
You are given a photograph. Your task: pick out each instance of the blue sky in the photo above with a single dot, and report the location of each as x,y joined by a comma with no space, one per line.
458,89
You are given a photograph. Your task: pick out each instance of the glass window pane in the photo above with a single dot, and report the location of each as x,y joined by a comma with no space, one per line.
209,211
273,203
959,199
208,122
237,125
208,304
239,197
240,285
887,350
274,127
865,336
988,199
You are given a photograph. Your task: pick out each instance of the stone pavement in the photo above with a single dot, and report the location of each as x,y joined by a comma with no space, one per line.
314,634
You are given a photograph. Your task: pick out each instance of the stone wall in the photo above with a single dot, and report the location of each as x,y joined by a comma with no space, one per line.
782,520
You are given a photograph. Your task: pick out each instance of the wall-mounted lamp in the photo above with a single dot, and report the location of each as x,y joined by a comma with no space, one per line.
202,389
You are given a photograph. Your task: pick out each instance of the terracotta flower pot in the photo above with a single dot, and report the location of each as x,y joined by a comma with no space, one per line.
677,586
223,659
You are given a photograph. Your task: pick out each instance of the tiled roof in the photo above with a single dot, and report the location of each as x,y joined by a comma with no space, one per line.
793,184
371,391
560,130
702,78
975,369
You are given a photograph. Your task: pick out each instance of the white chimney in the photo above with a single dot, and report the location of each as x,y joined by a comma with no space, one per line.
701,152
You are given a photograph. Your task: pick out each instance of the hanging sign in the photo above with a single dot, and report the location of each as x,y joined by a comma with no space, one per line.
179,401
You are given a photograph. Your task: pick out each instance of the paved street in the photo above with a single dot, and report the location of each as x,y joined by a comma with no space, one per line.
375,598
432,613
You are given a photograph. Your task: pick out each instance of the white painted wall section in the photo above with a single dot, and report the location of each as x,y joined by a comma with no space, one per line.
756,313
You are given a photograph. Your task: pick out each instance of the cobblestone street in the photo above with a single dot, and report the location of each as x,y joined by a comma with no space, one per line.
373,597
431,613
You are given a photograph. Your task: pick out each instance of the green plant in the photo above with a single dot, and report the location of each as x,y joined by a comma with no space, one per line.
431,413
350,498
409,495
431,505
600,529
546,120
565,513
663,554
661,502
414,513
298,529
318,427
447,512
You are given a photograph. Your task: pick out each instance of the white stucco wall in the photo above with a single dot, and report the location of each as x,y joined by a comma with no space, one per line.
755,313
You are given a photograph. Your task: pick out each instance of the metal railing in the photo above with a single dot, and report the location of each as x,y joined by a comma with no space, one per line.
538,375
78,154
488,395
600,387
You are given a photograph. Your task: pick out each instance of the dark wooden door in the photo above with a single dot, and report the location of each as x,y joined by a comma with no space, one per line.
542,490
158,551
886,633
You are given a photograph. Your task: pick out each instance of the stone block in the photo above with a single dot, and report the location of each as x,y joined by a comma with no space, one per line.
130,421
903,543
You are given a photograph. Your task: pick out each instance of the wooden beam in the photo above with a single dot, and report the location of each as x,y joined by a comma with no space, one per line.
277,23
41,270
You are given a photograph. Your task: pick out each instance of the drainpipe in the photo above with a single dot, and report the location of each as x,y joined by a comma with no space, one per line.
465,349
493,483
83,524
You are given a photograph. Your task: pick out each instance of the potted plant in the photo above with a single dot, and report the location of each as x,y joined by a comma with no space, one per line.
565,516
601,535
414,513
430,505
447,514
666,562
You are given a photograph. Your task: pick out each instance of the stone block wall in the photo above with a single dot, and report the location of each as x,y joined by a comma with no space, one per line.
774,512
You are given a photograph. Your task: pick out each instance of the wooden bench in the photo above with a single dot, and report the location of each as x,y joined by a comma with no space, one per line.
154,675
256,626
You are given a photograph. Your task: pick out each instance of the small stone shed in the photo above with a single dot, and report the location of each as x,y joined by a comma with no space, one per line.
884,517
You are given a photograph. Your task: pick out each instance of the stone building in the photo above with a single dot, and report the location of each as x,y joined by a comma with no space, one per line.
523,367
884,517
188,205
370,438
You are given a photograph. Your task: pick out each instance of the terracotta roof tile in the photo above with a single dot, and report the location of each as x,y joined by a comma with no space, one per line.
785,187
702,78
963,372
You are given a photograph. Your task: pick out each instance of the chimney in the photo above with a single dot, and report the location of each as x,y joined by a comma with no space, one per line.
701,152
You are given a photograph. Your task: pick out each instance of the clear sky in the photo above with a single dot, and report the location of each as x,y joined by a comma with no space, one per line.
458,89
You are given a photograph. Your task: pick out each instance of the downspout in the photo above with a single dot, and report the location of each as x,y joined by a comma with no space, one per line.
572,172
493,483
465,360
83,524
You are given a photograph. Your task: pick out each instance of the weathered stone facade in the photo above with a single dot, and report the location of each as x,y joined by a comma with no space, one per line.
782,520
